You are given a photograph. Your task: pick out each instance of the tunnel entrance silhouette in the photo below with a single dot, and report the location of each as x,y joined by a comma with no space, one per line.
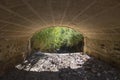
57,40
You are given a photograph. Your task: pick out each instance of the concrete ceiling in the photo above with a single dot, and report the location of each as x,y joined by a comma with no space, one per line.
21,18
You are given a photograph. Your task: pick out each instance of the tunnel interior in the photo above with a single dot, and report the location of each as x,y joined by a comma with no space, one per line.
97,20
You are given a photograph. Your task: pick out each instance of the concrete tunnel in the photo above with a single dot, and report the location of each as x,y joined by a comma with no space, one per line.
97,20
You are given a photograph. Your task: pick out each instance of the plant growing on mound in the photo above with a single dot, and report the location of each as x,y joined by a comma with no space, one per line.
53,38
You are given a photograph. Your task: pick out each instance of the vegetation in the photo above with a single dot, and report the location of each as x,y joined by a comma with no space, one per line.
53,38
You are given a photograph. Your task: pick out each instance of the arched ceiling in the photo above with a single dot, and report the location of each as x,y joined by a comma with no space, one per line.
21,18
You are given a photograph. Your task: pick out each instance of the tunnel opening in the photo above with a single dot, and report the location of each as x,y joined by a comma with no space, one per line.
57,40
43,65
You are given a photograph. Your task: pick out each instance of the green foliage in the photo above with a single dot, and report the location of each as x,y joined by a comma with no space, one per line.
53,38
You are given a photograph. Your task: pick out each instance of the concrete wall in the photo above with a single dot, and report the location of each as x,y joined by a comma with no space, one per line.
107,50
12,52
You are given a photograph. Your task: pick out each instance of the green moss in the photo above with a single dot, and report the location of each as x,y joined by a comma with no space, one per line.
53,38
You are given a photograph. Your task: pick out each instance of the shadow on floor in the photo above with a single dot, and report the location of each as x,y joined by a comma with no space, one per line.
91,70
32,59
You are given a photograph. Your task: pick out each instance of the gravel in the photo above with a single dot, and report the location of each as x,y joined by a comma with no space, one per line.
65,66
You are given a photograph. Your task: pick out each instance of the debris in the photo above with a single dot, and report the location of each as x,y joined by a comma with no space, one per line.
73,66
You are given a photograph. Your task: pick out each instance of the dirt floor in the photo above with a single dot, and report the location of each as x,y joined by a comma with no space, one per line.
65,66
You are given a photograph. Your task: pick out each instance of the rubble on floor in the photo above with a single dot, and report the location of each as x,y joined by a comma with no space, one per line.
65,66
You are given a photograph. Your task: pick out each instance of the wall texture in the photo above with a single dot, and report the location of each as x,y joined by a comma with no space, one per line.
107,50
12,52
